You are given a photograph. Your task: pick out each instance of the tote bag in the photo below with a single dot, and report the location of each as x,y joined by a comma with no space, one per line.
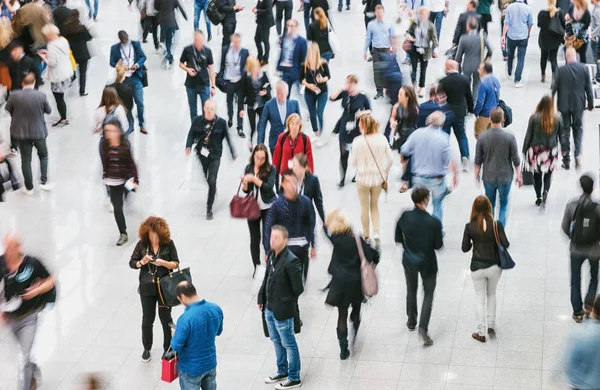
168,283
244,206
506,261
368,277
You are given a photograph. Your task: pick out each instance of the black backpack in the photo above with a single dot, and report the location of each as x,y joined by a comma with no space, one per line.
213,13
585,226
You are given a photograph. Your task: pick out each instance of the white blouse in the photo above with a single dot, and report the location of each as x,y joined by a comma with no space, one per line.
367,172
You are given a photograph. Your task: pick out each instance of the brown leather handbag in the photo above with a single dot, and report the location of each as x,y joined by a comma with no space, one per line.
244,206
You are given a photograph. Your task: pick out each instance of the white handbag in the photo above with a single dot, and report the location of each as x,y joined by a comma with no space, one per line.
334,42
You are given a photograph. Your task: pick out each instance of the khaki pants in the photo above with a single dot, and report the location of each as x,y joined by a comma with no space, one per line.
481,123
369,202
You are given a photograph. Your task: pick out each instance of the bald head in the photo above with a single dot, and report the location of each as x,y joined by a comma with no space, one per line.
451,65
571,55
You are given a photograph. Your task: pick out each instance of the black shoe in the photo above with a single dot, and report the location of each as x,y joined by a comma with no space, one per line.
275,378
144,41
427,340
566,165
538,201
379,95
348,7
544,197
411,327
146,356
241,133
354,179
288,384
209,37
343,341
339,8
341,184
254,272
83,93
370,59
229,123
209,215
61,123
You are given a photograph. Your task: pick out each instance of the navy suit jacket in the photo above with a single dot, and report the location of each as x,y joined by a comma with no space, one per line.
138,56
312,190
271,114
298,58
243,58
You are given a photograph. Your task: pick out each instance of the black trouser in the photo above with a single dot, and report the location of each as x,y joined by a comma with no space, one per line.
344,154
538,177
548,55
211,170
416,59
149,304
82,77
378,56
342,323
235,90
283,7
228,31
253,115
582,51
412,285
150,23
577,261
301,253
261,37
60,104
26,148
572,119
117,194
255,236
485,19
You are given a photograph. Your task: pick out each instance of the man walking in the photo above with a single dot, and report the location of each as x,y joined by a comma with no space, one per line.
432,105
276,112
457,89
581,222
278,299
199,7
461,24
439,10
470,47
421,235
292,56
194,339
429,151
233,67
229,8
197,61
497,151
381,38
573,85
515,36
27,108
168,25
132,56
488,97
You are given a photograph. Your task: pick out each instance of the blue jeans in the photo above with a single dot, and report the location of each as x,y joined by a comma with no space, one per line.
458,125
131,125
327,56
89,5
199,6
503,190
291,79
577,261
192,95
596,54
206,381
436,18
520,45
438,189
316,107
168,34
341,3
286,349
138,95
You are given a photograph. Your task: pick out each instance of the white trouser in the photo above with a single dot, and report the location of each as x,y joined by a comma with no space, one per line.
485,282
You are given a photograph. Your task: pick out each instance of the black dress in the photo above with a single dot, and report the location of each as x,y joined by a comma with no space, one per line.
345,288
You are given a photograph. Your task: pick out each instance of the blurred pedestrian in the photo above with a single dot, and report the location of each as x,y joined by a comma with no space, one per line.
314,75
488,97
232,69
308,183
276,112
380,39
318,32
291,142
256,91
168,25
424,46
515,36
78,36
403,122
469,54
549,40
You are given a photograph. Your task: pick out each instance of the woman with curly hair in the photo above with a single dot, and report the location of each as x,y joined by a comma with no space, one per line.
154,255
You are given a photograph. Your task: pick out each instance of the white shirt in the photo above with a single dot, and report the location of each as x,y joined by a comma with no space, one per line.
437,5
367,171
127,56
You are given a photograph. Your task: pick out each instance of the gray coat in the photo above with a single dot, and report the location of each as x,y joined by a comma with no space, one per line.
592,251
27,108
431,39
573,84
469,47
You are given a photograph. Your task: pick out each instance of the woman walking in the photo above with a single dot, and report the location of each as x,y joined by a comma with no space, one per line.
118,170
318,32
110,105
578,21
314,76
60,70
482,234
540,147
154,255
345,289
425,42
291,142
354,104
78,36
403,122
549,40
125,93
259,179
372,157
256,91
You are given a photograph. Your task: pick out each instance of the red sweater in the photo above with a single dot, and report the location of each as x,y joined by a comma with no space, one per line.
287,148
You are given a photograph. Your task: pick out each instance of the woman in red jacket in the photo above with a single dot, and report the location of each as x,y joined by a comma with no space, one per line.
291,142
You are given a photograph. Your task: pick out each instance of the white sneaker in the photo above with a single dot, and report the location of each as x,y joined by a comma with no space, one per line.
27,192
519,84
465,164
46,187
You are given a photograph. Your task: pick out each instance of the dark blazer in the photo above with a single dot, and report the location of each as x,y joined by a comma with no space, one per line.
78,43
312,190
458,94
461,25
166,12
166,252
18,71
125,93
264,13
421,233
243,58
267,190
27,108
220,132
573,85
271,114
250,94
468,54
138,56
298,57
549,40
284,285
226,7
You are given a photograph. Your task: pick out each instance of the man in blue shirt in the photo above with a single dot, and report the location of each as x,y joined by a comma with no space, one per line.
194,339
488,97
515,36
381,37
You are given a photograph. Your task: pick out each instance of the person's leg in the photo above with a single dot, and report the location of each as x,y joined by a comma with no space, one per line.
414,61
521,51
321,103
458,126
377,57
490,192
577,125
170,32
288,341
155,40
547,181
363,197
258,42
288,9
116,194
537,184
307,12
374,193
438,190
565,137
422,71
510,48
61,106
554,62
493,274
42,152
204,93
188,382
24,331
344,154
476,81
583,53
213,171
209,380
138,97
82,76
192,96
95,9
479,284
164,314
197,12
254,227
229,91
278,16
412,284
274,335
148,316
266,32
207,20
593,286
311,104
342,331
89,6
544,60
576,302
429,282
239,110
26,149
503,192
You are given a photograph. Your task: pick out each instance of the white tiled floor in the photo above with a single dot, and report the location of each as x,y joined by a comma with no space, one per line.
95,326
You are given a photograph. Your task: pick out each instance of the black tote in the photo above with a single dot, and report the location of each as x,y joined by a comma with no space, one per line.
168,283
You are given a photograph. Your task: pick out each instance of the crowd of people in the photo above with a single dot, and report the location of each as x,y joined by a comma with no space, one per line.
46,43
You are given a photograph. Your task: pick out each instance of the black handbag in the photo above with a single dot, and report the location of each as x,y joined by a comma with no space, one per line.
508,117
506,261
144,76
168,283
555,26
220,81
213,13
527,178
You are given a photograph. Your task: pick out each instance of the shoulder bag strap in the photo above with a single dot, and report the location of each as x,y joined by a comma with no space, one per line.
495,225
374,159
481,42
361,252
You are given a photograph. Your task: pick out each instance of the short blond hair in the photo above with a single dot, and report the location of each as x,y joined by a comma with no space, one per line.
293,118
337,222
251,63
50,29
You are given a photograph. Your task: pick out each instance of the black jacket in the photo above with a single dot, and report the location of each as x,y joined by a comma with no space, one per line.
226,7
312,190
421,233
319,3
549,40
198,134
485,249
264,13
282,285
18,71
125,93
457,88
573,85
267,190
244,54
166,12
78,43
370,8
250,94
461,25
149,273
60,15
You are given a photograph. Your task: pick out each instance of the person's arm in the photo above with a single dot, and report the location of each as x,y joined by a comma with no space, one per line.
507,22
114,56
9,107
457,31
142,60
133,168
231,148
173,262
312,221
388,158
489,49
556,83
262,124
294,272
268,8
469,98
467,244
318,199
515,156
368,38
179,339
353,158
502,235
407,149
194,127
309,154
528,136
270,221
434,37
336,95
568,219
460,51
438,237
399,235
589,92
481,96
137,256
178,5
220,330
479,154
278,153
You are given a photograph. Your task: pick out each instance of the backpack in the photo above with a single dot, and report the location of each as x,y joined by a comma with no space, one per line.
585,226
213,13
285,135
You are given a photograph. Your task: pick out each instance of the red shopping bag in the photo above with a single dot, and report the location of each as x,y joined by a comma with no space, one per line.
169,369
